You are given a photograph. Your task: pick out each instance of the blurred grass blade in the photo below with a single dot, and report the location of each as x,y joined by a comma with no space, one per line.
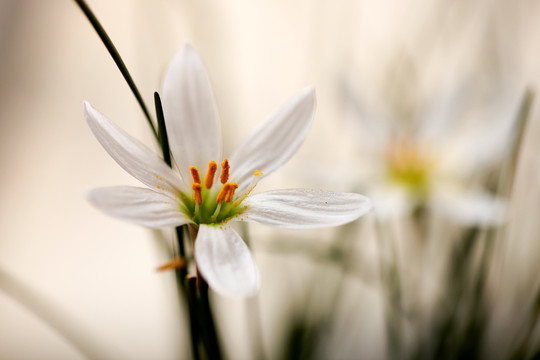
506,179
117,59
88,343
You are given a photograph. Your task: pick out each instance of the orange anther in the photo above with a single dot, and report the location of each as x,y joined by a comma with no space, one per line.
195,175
197,195
209,179
224,171
223,193
175,263
230,192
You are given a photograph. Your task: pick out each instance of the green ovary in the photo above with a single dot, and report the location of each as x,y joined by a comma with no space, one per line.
209,211
413,176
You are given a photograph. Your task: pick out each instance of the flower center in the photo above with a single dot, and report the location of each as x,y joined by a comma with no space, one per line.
409,167
211,204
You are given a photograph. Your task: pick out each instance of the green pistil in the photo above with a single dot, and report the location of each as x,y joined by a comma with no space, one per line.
209,212
416,178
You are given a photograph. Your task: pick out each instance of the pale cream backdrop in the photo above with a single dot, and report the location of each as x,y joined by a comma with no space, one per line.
99,272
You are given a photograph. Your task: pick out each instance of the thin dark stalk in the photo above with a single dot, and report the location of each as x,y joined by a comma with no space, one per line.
203,332
208,328
508,171
309,327
507,175
117,60
391,286
163,138
191,294
181,248
523,343
445,328
186,285
204,339
165,149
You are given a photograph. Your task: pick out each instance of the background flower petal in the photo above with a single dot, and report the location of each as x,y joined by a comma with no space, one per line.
190,113
305,208
273,142
138,205
471,207
132,155
225,261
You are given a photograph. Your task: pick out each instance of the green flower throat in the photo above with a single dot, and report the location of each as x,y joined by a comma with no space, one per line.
207,205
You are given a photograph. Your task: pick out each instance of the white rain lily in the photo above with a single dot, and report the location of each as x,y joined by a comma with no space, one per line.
224,195
432,162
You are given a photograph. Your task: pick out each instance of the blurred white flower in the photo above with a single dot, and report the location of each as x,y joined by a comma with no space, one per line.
193,126
433,159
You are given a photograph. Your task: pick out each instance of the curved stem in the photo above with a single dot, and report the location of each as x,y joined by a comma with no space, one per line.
117,60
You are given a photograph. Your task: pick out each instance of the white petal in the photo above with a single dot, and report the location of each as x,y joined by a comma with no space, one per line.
273,142
444,113
138,205
391,201
190,113
471,208
368,117
133,156
305,208
225,261
485,143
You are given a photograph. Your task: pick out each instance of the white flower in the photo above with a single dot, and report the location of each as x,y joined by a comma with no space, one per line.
432,160
225,193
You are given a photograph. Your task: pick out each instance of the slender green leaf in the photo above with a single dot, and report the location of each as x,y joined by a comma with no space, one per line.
117,59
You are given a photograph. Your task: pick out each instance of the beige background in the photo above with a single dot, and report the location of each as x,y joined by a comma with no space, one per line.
100,271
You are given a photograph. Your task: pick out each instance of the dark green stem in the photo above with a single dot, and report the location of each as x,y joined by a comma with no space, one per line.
191,292
186,285
508,172
163,138
117,59
208,328
204,339
165,149
392,289
181,251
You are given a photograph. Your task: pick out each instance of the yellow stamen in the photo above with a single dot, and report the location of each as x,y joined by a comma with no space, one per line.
230,193
224,171
195,175
197,195
175,263
256,177
209,179
223,193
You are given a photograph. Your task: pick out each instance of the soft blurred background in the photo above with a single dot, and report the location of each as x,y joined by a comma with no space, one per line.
375,64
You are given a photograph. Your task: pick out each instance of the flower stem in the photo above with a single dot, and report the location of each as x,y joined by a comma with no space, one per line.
208,328
117,60
191,292
204,338
187,285
392,289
